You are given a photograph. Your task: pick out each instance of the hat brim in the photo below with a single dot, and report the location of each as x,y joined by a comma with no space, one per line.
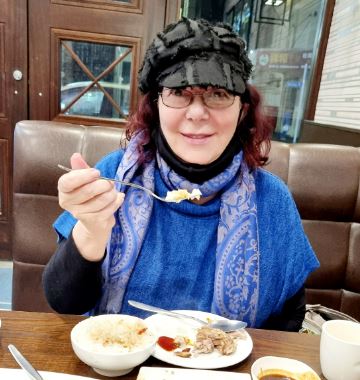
203,72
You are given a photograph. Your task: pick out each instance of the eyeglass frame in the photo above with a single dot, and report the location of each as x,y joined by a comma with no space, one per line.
201,94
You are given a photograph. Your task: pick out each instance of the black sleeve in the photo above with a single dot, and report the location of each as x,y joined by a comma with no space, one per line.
71,283
291,316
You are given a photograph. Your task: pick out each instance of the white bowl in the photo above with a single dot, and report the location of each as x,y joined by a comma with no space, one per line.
109,358
277,362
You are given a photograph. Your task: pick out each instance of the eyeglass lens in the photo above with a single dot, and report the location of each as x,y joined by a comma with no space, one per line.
180,98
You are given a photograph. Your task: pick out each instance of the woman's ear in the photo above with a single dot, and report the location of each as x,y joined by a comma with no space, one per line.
243,112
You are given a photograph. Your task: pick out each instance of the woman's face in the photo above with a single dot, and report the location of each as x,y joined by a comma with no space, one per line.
197,133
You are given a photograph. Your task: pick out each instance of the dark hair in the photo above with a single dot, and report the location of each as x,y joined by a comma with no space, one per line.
255,130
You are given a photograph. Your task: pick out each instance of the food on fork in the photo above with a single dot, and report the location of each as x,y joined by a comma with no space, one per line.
182,194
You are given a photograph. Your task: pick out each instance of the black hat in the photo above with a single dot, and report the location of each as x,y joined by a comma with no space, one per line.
196,53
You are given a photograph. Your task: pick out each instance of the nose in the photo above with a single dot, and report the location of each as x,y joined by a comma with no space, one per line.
197,110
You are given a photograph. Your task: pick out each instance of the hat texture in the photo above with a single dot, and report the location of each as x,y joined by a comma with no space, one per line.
196,53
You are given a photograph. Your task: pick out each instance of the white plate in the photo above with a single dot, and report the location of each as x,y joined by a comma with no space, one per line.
276,362
19,374
152,373
171,327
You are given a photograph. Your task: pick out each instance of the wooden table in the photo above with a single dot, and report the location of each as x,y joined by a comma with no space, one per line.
44,339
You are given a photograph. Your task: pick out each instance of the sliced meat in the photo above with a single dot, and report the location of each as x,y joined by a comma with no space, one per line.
208,338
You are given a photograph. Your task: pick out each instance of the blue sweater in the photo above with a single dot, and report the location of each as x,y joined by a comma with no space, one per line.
176,265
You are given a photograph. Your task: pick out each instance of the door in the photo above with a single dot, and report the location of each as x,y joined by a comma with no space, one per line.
85,55
73,61
13,102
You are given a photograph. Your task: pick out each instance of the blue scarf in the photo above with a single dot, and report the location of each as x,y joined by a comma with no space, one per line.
236,283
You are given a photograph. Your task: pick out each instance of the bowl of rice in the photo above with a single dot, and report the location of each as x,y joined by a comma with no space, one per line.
113,344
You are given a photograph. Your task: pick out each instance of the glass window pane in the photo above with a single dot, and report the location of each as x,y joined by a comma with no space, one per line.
282,39
281,45
84,62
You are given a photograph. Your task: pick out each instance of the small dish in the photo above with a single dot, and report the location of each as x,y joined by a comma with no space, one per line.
282,364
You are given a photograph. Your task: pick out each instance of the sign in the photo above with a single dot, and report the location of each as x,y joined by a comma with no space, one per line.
282,59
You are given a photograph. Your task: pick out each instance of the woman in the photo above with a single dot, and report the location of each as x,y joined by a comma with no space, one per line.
239,251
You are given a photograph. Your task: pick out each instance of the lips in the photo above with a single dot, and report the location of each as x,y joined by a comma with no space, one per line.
197,138
191,136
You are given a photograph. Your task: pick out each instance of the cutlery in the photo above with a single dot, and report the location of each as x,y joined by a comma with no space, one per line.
126,184
226,325
24,364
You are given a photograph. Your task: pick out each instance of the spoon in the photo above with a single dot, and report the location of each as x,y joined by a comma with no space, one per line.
226,325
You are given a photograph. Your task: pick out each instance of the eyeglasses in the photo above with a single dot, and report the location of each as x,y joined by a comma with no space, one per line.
181,98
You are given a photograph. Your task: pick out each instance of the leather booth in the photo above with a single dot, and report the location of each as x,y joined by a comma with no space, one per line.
324,180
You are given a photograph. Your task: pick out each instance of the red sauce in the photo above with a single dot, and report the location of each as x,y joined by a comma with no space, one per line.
142,331
167,343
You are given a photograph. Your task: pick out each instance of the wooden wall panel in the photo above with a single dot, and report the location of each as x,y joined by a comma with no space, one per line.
2,71
133,6
4,179
339,95
81,17
4,201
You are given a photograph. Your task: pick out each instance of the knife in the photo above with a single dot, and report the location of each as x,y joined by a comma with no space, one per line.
24,364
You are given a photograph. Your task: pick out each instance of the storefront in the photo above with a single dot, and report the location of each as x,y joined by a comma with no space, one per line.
283,39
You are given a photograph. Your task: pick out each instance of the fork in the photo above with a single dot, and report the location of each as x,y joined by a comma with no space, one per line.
124,183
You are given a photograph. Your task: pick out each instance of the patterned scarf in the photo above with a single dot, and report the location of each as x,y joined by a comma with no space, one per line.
236,283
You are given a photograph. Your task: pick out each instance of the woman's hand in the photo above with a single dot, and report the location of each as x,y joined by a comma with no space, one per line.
93,202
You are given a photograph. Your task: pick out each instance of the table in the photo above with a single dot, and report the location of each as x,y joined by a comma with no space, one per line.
44,339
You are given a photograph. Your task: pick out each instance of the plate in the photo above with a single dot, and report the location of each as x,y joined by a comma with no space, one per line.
171,327
19,374
152,373
277,362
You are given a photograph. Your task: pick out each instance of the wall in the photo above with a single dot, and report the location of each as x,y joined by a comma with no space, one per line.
312,132
339,96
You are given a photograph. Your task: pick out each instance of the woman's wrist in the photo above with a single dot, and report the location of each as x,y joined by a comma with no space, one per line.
91,245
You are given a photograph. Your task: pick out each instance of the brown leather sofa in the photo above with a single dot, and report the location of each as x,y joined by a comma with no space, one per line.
324,180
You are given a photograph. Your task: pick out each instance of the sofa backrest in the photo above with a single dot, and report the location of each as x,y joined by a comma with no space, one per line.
324,180
38,147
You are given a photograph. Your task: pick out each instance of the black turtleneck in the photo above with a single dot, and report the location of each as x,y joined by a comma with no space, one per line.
197,173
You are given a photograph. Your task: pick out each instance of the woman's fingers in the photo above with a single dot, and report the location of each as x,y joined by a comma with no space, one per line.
95,216
87,197
76,179
85,193
84,202
78,162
